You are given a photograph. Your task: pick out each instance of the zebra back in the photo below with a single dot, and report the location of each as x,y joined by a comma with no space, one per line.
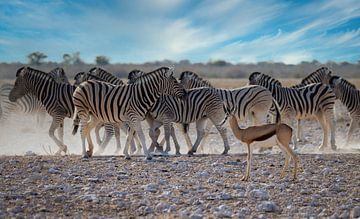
321,75
106,76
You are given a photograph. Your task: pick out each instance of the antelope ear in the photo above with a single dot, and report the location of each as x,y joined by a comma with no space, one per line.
20,71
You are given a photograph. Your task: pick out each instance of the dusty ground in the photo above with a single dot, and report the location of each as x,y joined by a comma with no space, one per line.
208,186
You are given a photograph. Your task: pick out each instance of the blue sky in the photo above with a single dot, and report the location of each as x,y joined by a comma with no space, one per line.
139,31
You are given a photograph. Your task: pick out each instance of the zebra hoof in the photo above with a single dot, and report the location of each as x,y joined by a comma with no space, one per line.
225,152
190,153
86,156
333,147
127,158
149,158
178,153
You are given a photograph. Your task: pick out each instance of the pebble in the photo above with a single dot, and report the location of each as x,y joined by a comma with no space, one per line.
54,170
259,194
151,187
29,153
268,206
162,207
355,213
203,174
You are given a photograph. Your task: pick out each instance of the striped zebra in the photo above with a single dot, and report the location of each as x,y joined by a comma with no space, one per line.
55,97
349,95
198,105
28,104
321,75
97,101
250,102
314,100
110,129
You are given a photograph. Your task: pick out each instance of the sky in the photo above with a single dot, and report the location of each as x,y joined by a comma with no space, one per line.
138,31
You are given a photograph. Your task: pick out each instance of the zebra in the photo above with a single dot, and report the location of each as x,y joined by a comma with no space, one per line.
97,101
314,100
110,129
55,97
28,104
250,102
321,75
199,104
349,95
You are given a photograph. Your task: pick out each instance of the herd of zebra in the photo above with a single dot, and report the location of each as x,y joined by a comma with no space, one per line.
99,99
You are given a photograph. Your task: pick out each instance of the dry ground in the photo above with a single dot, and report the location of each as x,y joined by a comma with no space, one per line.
200,186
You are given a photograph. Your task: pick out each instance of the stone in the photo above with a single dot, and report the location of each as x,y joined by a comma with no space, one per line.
53,170
259,194
151,187
268,206
355,212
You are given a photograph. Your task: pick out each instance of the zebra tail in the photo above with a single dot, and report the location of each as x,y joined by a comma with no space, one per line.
277,112
76,123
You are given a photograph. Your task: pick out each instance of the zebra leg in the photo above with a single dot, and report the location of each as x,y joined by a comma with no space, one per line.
117,138
168,131
205,137
324,127
91,125
300,134
200,133
108,134
130,136
125,128
353,126
61,135
176,143
97,133
223,133
141,135
187,138
54,125
331,122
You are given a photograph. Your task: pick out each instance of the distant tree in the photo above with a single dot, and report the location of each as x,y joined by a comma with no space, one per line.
218,63
184,62
36,58
76,58
67,59
102,60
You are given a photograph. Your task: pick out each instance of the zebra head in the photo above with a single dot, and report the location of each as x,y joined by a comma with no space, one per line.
59,75
79,77
20,87
171,85
191,80
133,75
257,78
340,85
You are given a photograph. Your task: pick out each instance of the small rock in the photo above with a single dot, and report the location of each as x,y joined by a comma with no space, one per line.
151,187
29,153
162,207
196,216
122,177
268,206
203,174
355,213
94,180
225,196
53,170
223,211
259,194
344,215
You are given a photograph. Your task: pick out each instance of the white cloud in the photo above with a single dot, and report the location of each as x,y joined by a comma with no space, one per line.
294,57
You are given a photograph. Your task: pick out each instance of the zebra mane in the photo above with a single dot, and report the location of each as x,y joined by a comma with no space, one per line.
343,81
195,77
151,74
311,75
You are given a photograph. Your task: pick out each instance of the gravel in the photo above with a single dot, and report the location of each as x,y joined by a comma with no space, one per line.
187,187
